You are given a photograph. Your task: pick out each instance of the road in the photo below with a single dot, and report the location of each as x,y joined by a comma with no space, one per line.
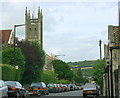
70,94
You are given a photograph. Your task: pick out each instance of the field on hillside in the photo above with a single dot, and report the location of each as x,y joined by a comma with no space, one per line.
85,66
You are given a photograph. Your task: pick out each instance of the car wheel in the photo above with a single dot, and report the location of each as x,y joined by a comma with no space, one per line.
97,94
47,93
84,95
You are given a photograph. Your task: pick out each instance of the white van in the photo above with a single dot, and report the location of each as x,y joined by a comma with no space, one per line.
3,90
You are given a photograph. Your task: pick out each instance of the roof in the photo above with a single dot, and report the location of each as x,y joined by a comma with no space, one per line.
5,34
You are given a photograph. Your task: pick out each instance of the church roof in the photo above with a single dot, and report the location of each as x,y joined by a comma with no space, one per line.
5,35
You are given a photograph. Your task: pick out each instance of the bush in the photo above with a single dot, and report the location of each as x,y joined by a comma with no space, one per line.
48,77
8,72
8,58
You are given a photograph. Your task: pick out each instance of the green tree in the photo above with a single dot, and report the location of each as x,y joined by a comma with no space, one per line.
62,70
8,58
35,59
98,71
78,76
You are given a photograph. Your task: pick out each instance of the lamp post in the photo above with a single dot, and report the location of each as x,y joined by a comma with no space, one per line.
15,42
59,55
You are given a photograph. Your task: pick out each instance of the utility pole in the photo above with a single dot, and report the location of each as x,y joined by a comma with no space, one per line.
100,42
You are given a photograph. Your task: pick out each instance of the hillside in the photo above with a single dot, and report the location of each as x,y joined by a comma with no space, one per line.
84,65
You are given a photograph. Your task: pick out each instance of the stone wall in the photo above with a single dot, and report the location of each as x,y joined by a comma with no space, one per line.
114,60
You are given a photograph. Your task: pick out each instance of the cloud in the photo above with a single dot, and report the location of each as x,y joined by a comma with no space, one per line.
70,28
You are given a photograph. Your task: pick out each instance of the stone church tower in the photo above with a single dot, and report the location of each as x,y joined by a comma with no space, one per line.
34,27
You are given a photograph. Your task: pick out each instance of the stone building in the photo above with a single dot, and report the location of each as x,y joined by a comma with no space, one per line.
112,57
34,26
48,65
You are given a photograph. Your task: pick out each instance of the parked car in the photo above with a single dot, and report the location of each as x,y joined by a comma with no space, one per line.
81,87
72,86
68,87
60,89
77,87
38,89
3,89
53,88
90,89
65,87
15,89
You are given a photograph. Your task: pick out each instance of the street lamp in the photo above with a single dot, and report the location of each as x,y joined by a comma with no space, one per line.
15,41
59,55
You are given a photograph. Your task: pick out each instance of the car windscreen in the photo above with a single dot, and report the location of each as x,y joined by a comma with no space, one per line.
50,85
70,85
10,84
89,87
36,85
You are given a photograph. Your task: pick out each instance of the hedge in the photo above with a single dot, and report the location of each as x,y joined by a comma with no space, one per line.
48,77
9,72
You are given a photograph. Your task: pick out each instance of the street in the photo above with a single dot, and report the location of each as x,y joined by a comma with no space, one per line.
70,93
75,94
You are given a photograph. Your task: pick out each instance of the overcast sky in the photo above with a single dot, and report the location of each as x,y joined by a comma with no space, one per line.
72,29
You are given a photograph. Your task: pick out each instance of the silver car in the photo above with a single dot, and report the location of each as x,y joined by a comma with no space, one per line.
3,89
90,89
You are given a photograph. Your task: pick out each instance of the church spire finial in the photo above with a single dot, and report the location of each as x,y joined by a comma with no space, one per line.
33,15
29,13
38,9
26,10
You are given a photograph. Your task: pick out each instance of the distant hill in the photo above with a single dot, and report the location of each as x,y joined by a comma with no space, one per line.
84,65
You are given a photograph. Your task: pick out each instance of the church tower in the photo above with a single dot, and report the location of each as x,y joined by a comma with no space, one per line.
34,27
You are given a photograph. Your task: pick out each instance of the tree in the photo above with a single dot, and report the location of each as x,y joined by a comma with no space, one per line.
8,58
35,59
62,70
98,71
78,76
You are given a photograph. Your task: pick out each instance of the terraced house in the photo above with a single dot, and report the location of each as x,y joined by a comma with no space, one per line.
112,57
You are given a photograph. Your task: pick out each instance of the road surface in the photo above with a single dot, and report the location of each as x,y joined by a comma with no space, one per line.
70,94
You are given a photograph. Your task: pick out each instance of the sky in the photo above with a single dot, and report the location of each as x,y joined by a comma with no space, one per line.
70,28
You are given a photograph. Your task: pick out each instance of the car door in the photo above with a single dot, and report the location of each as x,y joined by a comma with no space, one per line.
3,88
22,90
19,87
44,86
